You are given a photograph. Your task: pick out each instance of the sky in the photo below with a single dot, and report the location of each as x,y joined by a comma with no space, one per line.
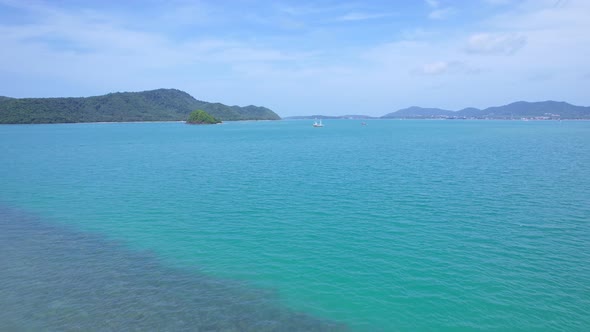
302,57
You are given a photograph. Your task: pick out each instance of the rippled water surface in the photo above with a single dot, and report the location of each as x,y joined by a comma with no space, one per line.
397,225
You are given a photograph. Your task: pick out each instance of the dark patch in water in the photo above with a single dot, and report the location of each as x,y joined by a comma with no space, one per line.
57,279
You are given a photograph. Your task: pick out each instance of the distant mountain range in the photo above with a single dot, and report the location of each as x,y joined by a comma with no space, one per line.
543,110
517,110
154,105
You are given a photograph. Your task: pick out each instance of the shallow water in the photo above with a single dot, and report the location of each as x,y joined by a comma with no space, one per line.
54,278
397,225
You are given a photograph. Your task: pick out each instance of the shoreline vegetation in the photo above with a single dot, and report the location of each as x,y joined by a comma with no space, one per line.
150,106
122,122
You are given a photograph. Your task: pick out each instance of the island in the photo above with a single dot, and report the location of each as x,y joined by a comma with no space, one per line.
201,117
153,105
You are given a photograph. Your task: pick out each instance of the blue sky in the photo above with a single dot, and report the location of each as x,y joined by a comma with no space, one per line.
302,57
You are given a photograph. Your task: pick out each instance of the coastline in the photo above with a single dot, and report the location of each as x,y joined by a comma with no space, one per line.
110,122
300,119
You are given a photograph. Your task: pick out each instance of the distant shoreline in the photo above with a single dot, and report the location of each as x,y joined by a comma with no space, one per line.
109,122
430,119
97,122
298,119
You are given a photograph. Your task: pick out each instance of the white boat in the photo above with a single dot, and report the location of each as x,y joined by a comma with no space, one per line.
318,124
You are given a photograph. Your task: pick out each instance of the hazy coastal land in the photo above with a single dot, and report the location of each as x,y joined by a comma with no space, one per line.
544,110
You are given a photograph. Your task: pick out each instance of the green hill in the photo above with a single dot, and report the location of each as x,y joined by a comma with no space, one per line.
154,105
201,117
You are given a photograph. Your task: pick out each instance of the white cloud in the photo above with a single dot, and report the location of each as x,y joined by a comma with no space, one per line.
435,68
503,44
437,12
446,67
433,3
312,9
96,36
498,2
84,53
442,13
359,16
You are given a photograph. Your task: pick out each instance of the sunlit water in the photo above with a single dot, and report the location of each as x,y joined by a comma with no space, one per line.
397,225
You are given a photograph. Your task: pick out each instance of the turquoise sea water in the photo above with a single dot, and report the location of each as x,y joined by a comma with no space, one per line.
397,225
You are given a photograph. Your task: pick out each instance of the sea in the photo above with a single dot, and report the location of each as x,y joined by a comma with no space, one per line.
396,225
